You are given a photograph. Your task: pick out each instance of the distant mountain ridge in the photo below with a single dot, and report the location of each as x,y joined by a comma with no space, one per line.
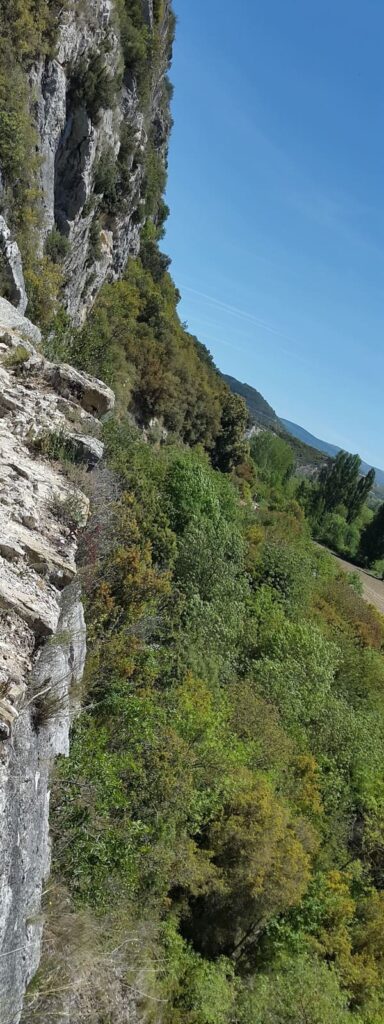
308,438
324,446
258,408
263,413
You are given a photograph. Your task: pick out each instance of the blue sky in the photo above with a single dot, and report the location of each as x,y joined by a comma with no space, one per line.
276,188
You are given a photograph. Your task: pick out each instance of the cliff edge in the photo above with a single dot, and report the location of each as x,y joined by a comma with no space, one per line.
49,414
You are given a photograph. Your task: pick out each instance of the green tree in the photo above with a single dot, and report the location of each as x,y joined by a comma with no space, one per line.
301,991
372,538
273,457
231,448
341,484
262,858
337,533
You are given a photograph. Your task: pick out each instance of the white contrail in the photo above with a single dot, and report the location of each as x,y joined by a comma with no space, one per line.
251,319
235,311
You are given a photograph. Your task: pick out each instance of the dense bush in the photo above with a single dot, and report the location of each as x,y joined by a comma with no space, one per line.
134,339
56,246
92,85
273,457
225,780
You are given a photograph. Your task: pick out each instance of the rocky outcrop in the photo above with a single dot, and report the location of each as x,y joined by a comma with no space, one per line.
44,409
12,268
80,136
91,394
147,6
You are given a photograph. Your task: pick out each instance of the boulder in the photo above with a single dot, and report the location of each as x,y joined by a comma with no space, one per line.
94,396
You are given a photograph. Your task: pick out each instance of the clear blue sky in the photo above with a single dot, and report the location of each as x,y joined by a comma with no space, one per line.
276,189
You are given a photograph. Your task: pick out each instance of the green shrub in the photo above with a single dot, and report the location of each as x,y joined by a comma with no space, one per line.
273,458
92,86
16,357
354,579
338,534
57,246
69,511
43,280
94,241
54,445
303,991
106,180
135,38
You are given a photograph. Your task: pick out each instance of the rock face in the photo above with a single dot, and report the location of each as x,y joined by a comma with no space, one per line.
81,143
12,267
42,631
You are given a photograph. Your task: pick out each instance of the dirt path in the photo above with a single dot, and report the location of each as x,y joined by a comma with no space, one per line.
373,589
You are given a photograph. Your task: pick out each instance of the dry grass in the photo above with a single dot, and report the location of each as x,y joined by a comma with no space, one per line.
16,357
72,511
92,971
48,706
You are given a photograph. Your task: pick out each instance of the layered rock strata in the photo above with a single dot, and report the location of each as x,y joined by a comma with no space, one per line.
76,142
45,410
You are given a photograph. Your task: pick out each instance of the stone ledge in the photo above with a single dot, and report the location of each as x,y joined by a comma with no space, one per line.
94,396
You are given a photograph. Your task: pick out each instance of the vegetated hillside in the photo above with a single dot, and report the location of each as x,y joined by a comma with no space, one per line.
261,413
324,446
87,86
259,409
315,442
84,126
218,826
205,822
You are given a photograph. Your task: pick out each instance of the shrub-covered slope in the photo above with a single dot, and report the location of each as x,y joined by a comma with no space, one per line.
221,810
218,827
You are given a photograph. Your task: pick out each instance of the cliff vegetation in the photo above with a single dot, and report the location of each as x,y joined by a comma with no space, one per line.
218,828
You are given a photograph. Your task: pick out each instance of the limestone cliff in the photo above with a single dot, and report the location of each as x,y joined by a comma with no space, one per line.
85,99
99,106
45,410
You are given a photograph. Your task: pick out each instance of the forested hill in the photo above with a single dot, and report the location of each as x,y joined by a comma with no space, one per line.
258,408
326,447
218,826
262,413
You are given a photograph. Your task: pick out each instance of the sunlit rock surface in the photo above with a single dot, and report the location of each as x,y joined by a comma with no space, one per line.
42,631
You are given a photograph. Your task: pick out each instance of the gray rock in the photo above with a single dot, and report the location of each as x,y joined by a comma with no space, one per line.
24,806
88,449
49,84
12,267
42,631
71,144
147,6
18,326
89,392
